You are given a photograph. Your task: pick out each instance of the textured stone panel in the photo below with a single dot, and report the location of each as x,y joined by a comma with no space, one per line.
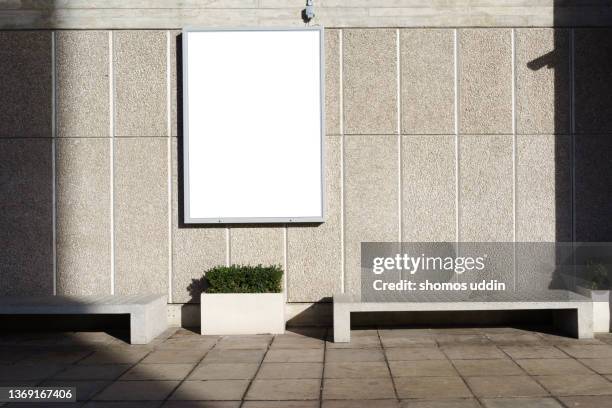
25,83
427,81
371,198
141,215
82,83
485,183
83,216
140,83
542,81
593,188
314,267
485,81
593,80
428,188
370,81
332,82
543,188
176,94
257,245
26,229
194,248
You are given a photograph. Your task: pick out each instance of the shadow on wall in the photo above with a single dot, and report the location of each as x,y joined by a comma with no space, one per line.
26,165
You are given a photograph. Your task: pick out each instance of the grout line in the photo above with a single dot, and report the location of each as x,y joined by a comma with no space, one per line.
169,157
261,362
111,97
514,140
399,134
384,351
342,206
53,160
323,370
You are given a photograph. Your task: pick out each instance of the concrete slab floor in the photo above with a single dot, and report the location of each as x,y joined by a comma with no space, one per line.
468,367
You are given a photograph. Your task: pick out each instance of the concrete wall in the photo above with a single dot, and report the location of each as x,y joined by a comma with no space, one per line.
433,134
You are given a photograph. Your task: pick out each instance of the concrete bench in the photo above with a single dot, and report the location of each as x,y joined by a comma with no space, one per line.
574,317
148,316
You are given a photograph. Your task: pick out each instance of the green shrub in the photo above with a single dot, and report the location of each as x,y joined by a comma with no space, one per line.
244,279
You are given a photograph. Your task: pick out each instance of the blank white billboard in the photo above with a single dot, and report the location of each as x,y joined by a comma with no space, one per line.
253,125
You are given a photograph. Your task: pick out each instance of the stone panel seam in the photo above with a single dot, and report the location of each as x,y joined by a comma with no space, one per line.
169,162
53,161
572,69
228,247
111,129
514,158
342,215
399,133
285,263
456,114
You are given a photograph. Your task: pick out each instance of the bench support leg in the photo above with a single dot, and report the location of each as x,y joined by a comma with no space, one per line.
147,324
342,324
576,322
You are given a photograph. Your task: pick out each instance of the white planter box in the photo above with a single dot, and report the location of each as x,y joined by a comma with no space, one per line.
601,308
242,313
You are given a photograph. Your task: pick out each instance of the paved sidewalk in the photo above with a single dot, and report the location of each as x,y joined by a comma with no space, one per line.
424,368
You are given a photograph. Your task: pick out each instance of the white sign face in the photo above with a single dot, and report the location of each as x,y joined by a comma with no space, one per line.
253,125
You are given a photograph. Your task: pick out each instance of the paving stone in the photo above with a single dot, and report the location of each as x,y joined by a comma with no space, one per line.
415,353
117,404
296,342
302,389
505,386
357,388
54,357
422,368
471,368
387,403
278,371
188,342
460,339
397,341
515,339
356,342
576,384
174,356
137,391
367,369
161,372
452,403
551,366
281,404
202,404
345,355
218,371
598,401
528,351
211,390
599,365
521,403
431,387
244,342
234,356
473,352
117,355
92,372
294,356
84,389
588,351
